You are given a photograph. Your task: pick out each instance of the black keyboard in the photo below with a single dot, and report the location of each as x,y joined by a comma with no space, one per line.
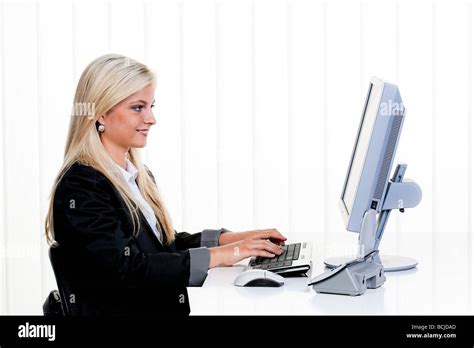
290,253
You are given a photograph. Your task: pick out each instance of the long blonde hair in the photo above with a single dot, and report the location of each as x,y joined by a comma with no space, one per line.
105,82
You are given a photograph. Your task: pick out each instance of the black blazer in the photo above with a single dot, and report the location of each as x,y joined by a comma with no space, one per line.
112,273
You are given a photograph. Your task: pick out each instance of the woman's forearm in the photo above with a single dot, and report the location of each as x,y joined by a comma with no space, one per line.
232,237
215,257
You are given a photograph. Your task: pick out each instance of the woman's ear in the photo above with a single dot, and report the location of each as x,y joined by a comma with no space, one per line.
102,119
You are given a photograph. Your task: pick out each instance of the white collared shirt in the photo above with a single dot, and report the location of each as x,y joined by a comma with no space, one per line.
130,175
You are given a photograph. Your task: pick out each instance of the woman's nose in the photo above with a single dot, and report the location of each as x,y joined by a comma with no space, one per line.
150,118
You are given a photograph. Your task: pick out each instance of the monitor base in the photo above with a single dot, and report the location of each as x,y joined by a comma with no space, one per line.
391,263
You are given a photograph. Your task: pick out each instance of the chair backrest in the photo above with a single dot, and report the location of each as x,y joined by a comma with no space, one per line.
52,305
68,297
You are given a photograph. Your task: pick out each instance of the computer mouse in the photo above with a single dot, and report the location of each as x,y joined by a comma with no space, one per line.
259,277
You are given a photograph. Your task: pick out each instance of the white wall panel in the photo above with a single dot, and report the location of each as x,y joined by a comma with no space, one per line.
3,231
450,163
21,162
91,33
470,244
199,116
55,90
126,28
271,115
235,96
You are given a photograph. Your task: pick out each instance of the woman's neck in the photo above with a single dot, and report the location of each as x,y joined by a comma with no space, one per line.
118,153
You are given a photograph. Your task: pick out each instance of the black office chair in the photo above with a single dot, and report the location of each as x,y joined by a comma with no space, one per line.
60,302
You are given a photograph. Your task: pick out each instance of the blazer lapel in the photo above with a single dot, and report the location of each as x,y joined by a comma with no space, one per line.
148,234
146,238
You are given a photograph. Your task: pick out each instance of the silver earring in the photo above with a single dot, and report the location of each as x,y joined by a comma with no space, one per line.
101,128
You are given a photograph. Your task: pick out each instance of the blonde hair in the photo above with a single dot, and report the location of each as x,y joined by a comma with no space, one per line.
105,82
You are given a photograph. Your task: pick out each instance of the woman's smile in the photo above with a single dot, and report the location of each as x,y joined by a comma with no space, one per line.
143,131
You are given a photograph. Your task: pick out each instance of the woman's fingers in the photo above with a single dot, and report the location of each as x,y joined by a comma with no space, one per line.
277,241
263,244
264,254
272,234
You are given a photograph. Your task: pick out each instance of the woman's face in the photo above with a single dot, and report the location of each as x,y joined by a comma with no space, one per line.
127,123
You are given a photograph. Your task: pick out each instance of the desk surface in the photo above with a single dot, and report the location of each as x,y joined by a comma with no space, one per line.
408,293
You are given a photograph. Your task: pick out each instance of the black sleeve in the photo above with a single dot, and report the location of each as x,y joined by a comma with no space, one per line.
207,238
104,237
185,240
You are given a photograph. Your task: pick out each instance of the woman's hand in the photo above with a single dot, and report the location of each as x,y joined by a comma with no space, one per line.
231,253
272,234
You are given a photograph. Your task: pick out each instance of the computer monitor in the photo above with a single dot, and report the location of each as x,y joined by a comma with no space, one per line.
367,190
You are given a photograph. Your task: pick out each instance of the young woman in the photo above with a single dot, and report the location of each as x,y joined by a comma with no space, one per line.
120,252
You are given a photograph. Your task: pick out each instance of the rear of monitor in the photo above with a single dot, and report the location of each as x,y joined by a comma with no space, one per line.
368,195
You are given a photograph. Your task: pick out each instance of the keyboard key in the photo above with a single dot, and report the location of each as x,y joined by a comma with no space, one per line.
296,255
281,257
289,257
287,263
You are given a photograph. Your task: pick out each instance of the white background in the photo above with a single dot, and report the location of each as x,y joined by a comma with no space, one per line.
257,108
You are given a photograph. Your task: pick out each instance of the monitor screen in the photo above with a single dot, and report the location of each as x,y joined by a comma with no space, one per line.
361,147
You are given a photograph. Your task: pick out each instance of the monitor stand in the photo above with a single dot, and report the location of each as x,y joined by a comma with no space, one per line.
372,231
391,263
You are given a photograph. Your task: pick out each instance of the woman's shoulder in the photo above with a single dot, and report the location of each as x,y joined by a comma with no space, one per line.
81,174
80,168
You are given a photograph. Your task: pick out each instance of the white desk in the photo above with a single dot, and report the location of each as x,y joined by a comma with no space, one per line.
408,292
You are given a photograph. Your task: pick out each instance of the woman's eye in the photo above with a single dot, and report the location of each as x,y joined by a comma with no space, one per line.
137,108
152,106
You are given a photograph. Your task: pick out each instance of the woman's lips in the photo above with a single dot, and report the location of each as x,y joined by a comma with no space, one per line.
143,131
